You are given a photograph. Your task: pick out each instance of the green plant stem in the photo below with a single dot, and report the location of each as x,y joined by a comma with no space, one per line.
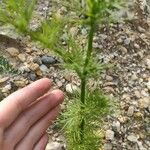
84,77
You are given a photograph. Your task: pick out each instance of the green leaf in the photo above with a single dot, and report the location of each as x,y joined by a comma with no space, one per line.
73,55
48,33
5,67
17,13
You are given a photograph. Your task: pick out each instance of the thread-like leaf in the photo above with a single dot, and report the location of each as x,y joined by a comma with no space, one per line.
5,67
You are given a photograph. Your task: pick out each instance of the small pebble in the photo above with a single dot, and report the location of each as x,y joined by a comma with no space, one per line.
109,135
144,102
132,138
48,60
71,88
13,51
54,146
44,68
116,126
32,76
130,111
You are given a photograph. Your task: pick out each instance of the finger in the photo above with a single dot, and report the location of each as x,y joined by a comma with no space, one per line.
37,131
17,102
41,145
31,116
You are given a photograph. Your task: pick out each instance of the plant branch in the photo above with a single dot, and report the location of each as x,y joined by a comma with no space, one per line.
84,77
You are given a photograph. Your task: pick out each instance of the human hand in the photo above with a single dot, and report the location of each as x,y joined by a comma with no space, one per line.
26,114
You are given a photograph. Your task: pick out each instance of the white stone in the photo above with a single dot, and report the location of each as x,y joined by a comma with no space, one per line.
59,84
116,126
109,135
71,88
54,146
132,138
141,145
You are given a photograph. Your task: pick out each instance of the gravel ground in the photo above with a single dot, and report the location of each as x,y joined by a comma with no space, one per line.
126,45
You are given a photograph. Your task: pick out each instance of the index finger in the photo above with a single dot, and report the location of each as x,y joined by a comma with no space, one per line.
13,105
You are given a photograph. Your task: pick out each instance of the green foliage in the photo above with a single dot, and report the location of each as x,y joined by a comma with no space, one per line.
84,115
5,67
48,33
17,13
96,108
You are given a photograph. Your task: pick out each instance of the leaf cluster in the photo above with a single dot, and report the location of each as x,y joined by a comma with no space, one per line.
6,67
74,57
48,34
17,13
96,108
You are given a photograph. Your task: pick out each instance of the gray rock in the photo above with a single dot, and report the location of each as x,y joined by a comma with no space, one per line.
32,76
48,60
127,41
37,60
44,68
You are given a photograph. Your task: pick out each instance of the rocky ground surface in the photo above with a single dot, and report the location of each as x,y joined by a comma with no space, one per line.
126,45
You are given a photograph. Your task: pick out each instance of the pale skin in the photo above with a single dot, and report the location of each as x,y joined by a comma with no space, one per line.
26,114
